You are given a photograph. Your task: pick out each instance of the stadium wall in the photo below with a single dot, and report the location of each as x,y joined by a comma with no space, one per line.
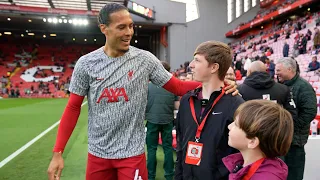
173,15
212,24
243,18
184,37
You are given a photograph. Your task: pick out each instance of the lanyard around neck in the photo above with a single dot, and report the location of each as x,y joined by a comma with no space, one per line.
200,127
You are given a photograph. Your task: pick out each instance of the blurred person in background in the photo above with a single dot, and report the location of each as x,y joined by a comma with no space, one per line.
159,115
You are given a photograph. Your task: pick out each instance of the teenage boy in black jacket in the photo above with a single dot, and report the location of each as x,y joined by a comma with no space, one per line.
204,116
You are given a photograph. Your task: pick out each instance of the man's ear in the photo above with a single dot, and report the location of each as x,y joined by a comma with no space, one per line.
248,72
253,143
103,28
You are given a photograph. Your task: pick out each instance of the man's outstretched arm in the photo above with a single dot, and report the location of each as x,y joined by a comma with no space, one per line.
180,88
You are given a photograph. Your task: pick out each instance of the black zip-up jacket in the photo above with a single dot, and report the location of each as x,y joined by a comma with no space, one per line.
214,136
259,85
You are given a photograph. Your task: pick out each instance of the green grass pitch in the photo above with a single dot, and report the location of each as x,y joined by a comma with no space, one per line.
21,120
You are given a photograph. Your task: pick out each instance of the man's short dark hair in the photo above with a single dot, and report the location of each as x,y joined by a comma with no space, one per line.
104,14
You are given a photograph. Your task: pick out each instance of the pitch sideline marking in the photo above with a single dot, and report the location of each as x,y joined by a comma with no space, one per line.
13,155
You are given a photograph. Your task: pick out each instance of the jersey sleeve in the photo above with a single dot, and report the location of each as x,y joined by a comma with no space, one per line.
80,79
158,74
178,87
68,121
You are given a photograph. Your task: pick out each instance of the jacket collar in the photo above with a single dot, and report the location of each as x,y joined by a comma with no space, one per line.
196,92
292,81
231,162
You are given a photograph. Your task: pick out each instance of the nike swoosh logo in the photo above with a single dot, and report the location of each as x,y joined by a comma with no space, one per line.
215,113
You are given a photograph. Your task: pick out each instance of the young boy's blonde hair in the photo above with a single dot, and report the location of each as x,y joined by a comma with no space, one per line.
269,122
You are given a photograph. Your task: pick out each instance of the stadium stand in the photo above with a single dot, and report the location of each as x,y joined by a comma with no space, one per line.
39,69
255,47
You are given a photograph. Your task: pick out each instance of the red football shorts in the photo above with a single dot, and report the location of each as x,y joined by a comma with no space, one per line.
131,168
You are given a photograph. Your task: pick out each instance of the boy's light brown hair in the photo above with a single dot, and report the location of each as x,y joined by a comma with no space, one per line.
216,52
269,122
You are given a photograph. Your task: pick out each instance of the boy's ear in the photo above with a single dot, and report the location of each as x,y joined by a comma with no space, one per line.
214,68
253,143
